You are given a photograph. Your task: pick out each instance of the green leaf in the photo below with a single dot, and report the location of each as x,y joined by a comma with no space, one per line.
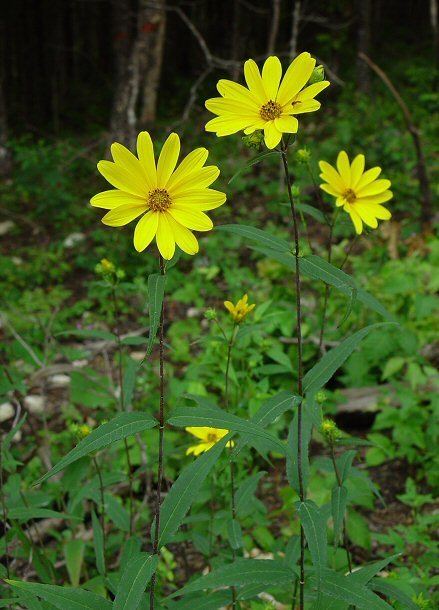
118,428
98,543
322,372
311,211
242,572
64,597
245,492
74,556
358,529
252,162
314,526
129,381
216,418
134,581
343,588
338,506
261,237
156,293
364,574
234,533
212,601
292,450
24,513
185,489
344,464
393,592
104,335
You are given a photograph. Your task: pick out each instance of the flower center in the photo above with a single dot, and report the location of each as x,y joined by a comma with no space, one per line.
271,110
211,438
349,195
159,200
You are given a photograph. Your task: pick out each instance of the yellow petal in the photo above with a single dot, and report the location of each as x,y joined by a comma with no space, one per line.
122,215
254,81
184,238
192,163
272,136
295,78
331,190
192,219
366,214
376,199
235,91
168,159
130,164
226,125
145,152
344,168
200,432
310,92
122,180
165,237
368,177
271,75
113,198
305,106
374,188
221,105
145,230
381,212
356,220
330,175
229,306
197,179
287,124
357,169
200,448
200,199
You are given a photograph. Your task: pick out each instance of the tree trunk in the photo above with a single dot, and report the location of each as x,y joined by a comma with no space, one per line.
152,31
274,28
295,29
363,43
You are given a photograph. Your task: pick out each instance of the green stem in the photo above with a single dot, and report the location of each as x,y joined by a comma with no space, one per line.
340,483
302,494
4,509
122,404
102,511
160,467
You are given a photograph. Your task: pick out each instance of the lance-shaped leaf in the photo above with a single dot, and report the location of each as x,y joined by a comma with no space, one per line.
185,489
216,418
98,543
242,572
64,597
120,427
134,581
392,592
344,464
257,235
343,588
292,450
234,533
338,506
322,372
156,293
24,513
314,525
245,492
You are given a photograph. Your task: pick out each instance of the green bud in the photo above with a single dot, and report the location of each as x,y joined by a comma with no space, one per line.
329,431
303,155
210,314
318,74
254,140
295,190
321,397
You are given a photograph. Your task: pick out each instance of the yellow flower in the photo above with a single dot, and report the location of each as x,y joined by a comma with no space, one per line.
358,191
208,436
170,201
268,102
240,310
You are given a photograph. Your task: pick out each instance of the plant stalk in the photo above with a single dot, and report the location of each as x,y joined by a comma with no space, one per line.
155,548
345,536
102,511
302,494
4,510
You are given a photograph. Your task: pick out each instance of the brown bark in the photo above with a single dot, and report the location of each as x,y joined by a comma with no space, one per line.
363,9
295,28
274,28
153,27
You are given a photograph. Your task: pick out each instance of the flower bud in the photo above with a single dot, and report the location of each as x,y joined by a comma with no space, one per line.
330,431
254,140
303,155
210,314
321,397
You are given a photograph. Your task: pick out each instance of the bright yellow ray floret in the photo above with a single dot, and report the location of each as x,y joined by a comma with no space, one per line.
169,199
358,191
208,438
240,310
269,102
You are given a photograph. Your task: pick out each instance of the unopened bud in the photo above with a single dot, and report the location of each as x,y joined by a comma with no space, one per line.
254,140
318,74
330,431
210,314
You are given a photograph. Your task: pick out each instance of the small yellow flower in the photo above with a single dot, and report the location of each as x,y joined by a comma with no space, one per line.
330,431
240,310
80,431
269,102
208,437
170,200
107,265
358,191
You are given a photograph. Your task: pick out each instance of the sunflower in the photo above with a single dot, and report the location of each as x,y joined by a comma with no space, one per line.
270,101
208,437
169,200
240,310
358,191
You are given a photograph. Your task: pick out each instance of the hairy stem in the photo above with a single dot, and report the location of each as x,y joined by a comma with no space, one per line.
345,536
155,548
302,494
122,403
102,510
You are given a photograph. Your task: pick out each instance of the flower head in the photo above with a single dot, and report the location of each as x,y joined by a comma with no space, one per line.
240,310
169,199
269,102
358,191
330,431
208,438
